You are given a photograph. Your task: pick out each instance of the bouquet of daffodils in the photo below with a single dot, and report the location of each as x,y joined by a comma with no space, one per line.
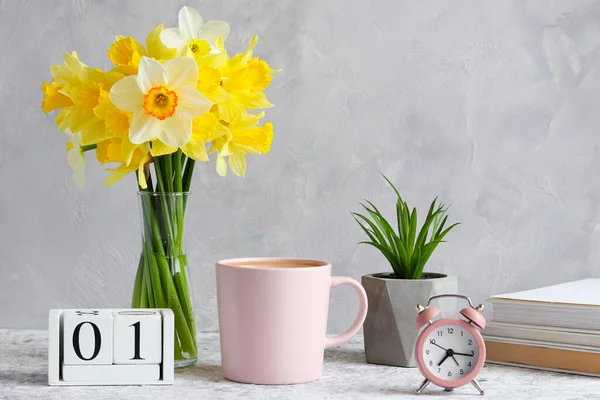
166,104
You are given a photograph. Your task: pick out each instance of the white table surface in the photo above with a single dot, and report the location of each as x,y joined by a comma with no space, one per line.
23,375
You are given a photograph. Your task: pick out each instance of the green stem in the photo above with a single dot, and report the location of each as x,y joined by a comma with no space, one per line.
165,206
178,167
137,287
168,171
143,294
187,178
181,285
149,282
178,353
179,212
181,324
157,286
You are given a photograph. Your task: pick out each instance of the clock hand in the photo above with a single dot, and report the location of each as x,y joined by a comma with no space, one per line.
435,344
463,354
455,360
443,359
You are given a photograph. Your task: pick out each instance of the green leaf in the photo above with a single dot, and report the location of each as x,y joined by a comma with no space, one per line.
403,258
388,254
376,231
439,218
441,235
383,224
405,223
414,262
428,221
399,212
369,233
412,230
393,187
425,254
439,229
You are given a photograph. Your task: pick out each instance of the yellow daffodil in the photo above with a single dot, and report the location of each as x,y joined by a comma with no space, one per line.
245,78
126,52
53,98
76,159
194,38
163,99
209,82
109,151
244,137
77,89
156,48
116,121
205,128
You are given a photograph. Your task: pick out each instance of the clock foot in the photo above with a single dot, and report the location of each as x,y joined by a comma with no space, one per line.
478,387
448,389
423,386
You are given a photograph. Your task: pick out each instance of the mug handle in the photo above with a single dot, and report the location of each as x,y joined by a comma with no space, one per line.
362,313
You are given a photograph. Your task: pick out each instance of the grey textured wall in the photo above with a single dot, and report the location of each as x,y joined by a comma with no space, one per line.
493,106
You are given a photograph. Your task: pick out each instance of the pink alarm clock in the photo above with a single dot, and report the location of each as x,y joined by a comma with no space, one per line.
450,352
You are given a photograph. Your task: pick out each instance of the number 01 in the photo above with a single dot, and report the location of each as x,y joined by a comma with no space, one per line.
98,341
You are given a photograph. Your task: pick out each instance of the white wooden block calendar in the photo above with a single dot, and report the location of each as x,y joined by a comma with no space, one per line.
110,347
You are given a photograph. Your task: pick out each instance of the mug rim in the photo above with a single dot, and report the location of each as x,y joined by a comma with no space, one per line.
316,264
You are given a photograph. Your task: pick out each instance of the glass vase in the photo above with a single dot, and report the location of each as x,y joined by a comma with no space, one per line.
163,278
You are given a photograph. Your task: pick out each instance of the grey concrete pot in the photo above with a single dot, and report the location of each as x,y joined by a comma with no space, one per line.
390,332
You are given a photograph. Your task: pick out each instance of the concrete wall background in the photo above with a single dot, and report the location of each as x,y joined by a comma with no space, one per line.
493,106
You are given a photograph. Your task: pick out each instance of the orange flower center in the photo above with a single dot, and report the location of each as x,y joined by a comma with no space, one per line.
160,102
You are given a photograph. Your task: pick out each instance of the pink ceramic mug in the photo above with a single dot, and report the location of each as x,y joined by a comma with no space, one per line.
273,318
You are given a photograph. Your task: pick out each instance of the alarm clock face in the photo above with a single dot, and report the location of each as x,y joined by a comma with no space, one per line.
450,352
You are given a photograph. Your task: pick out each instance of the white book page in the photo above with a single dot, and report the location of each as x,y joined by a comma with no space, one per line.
585,292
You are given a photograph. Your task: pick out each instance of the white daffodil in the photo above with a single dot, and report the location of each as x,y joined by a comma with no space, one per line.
194,37
163,99
76,159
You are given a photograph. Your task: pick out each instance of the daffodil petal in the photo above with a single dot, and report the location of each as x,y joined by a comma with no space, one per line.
126,95
253,99
115,175
150,74
142,176
171,38
190,22
176,132
219,95
195,150
181,71
230,109
221,166
73,157
160,149
191,103
79,175
214,29
237,163
143,128
127,149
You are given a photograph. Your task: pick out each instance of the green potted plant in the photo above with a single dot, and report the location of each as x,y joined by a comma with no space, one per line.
389,329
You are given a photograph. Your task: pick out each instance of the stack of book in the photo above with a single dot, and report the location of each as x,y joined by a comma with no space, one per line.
554,328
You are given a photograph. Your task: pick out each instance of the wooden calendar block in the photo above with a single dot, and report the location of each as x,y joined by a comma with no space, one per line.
140,341
87,337
137,337
92,374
